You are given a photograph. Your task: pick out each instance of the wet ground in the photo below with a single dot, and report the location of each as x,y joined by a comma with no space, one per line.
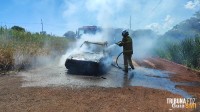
54,76
52,88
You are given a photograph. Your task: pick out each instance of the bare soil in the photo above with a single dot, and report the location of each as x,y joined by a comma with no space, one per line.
14,98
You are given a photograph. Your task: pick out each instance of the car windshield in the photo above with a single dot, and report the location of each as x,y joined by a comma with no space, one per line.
92,47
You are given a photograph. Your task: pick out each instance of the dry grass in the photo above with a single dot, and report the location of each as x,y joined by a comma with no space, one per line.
18,48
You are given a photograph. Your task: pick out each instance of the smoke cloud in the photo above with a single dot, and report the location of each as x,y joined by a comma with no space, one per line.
116,13
143,46
159,28
76,48
156,15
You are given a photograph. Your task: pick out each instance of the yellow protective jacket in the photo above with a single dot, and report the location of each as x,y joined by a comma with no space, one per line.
127,45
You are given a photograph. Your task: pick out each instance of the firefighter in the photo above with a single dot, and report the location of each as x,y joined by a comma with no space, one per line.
127,50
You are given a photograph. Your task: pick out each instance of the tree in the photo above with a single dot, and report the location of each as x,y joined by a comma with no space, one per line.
70,34
197,14
18,28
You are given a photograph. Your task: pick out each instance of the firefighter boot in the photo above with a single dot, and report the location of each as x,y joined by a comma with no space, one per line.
132,67
126,69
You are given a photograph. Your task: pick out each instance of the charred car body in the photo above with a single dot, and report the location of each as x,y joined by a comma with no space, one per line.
91,58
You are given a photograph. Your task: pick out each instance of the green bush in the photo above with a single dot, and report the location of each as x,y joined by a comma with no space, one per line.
191,52
185,52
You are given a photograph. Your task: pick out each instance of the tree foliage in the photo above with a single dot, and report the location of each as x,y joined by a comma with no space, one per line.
185,52
18,28
184,44
185,29
197,14
70,34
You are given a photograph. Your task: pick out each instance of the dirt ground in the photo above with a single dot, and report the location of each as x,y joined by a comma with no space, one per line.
14,98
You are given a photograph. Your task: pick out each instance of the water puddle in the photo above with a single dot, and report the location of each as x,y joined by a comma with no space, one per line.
157,79
58,76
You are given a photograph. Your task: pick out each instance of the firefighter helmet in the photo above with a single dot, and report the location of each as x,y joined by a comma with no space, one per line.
125,33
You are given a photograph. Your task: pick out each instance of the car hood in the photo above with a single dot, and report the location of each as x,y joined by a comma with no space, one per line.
86,56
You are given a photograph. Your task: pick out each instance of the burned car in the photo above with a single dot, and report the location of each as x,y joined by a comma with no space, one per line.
91,58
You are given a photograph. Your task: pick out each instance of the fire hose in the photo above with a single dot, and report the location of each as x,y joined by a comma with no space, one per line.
116,61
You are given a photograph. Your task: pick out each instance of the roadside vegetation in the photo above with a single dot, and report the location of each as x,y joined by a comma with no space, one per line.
19,49
181,44
186,52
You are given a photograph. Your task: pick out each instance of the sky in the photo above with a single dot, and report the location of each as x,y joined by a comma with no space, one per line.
60,16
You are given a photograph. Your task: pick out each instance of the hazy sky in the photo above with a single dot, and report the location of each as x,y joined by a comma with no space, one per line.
60,16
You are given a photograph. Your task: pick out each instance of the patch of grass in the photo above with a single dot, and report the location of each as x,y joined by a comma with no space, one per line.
17,48
185,52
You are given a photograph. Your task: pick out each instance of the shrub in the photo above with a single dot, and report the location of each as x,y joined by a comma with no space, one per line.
17,47
186,52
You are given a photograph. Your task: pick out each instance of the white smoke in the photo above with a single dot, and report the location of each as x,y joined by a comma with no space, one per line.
160,28
71,9
142,47
154,26
116,13
105,9
75,48
155,15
